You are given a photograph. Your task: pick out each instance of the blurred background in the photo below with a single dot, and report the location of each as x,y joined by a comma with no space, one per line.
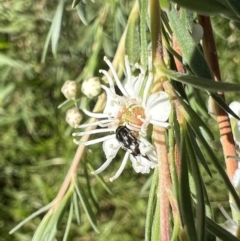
36,147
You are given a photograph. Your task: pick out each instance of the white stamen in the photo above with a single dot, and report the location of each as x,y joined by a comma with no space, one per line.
88,124
95,115
118,82
93,131
160,123
104,166
146,89
91,142
120,170
133,127
110,80
97,123
104,124
109,93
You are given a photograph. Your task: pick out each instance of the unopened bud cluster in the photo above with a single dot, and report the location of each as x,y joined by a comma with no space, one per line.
72,91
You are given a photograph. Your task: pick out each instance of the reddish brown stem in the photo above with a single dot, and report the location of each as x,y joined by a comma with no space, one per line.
164,181
210,53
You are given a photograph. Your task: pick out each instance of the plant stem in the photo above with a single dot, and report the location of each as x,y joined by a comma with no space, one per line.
225,130
164,181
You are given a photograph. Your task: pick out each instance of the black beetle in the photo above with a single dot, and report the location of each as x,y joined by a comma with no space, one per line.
128,141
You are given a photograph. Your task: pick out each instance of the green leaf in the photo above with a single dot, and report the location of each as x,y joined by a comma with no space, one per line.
156,222
87,208
54,31
5,60
207,203
205,7
7,91
200,83
190,51
184,190
151,206
38,235
173,139
194,120
69,221
227,8
132,45
35,214
223,105
199,154
56,26
217,164
76,208
200,204
155,29
196,101
81,10
55,217
75,3
143,33
101,180
52,233
234,5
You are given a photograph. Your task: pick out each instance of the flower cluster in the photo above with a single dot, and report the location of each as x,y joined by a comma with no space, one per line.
134,110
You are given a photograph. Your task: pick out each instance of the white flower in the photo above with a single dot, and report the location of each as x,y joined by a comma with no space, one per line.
235,107
134,110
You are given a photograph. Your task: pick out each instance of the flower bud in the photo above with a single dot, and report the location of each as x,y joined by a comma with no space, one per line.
197,33
73,117
235,107
235,123
236,180
91,87
71,89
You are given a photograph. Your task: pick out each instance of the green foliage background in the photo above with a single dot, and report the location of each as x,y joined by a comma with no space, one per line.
36,143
